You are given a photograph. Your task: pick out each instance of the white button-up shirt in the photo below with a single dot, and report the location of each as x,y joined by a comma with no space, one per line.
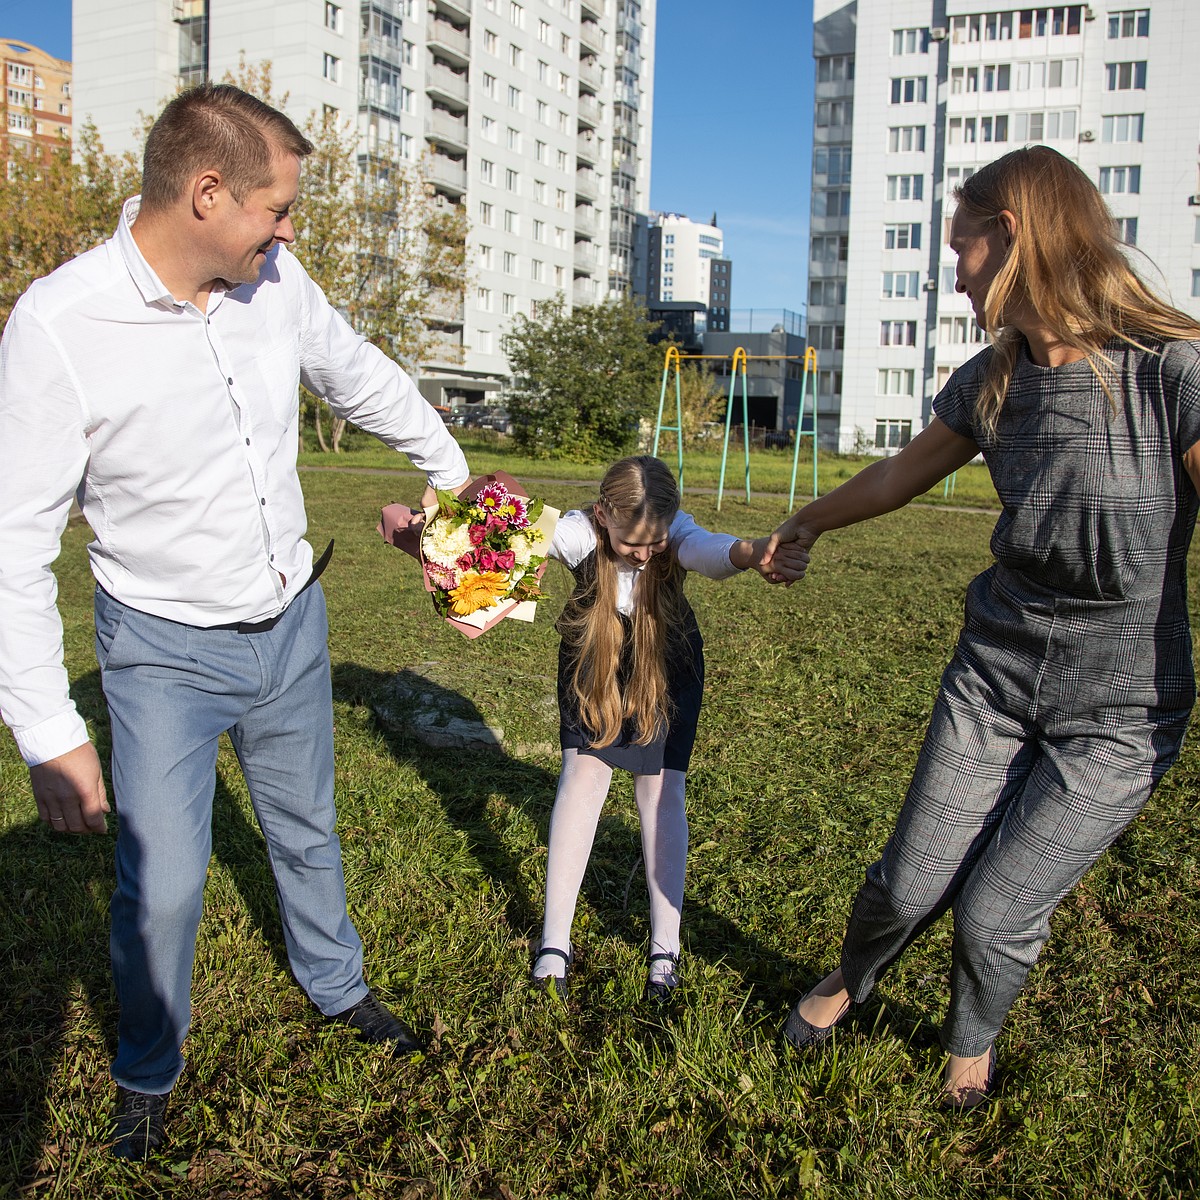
697,549
177,430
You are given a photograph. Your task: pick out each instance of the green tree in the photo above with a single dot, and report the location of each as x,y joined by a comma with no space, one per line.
583,379
52,210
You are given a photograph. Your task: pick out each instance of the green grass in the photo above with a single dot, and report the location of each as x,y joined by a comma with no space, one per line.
816,704
770,470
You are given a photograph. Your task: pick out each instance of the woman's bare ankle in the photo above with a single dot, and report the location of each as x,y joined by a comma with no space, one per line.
826,1002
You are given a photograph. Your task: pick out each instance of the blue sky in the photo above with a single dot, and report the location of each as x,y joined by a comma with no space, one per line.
732,126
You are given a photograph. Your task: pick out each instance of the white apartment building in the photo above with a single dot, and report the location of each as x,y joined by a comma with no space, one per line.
536,115
686,263
911,97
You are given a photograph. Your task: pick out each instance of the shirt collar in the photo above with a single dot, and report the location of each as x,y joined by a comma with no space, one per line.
144,277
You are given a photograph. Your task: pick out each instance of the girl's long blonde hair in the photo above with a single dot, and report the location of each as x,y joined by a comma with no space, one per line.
632,490
1065,263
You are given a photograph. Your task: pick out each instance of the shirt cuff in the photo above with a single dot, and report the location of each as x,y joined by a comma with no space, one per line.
59,734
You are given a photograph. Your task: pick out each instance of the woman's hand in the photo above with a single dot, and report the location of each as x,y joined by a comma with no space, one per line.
786,566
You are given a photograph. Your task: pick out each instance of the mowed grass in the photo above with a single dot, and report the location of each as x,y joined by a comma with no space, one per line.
816,704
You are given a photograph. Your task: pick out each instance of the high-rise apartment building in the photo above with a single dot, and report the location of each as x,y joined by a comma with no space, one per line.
911,97
686,263
37,101
535,115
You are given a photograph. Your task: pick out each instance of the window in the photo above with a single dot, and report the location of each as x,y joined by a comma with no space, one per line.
903,139
487,129
910,41
998,78
1062,72
406,99
960,331
834,202
560,199
828,292
900,285
516,14
543,112
333,17
837,68
998,27
544,32
1196,283
897,333
489,85
1126,230
514,97
832,113
513,138
408,53
537,270
829,383
892,435
561,160
902,237
893,382
543,71
1125,127
912,90
483,299
539,191
489,41
1116,181
1055,22
993,129
833,162
1132,22
512,180
487,214
829,248
964,79
510,263
487,171
539,151
1196,233
827,337
905,187
331,68
539,231
512,223
514,56
486,258
1125,77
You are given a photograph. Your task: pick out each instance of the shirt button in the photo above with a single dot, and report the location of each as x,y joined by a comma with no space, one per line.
247,441
229,381
263,500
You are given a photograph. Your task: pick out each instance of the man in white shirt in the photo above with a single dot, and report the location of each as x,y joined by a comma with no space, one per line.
155,378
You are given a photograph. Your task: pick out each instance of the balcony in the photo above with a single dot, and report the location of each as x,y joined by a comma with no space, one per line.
446,314
593,9
585,258
443,346
447,174
448,41
587,185
589,111
445,85
380,48
459,9
584,291
586,224
585,149
589,74
446,129
591,37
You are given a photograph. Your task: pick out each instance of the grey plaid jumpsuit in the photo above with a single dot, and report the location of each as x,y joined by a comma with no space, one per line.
1070,687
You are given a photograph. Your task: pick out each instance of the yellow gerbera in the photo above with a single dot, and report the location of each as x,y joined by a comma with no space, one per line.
477,589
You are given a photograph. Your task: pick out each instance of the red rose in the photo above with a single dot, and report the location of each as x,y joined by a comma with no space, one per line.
477,533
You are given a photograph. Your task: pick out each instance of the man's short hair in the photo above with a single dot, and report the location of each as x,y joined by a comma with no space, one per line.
218,126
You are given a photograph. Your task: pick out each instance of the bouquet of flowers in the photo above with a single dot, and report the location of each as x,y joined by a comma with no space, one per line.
483,552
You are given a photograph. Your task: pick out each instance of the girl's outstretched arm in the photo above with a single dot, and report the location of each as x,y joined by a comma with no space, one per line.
719,555
881,488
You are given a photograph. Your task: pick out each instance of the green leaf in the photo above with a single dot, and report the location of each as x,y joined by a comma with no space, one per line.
534,510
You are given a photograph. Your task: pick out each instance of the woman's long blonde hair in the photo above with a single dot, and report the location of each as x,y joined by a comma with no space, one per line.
632,490
1065,263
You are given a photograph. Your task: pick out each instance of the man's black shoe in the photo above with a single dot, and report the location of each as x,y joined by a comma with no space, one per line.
138,1131
377,1024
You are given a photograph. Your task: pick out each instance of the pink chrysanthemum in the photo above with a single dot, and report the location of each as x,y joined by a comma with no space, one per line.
492,497
442,577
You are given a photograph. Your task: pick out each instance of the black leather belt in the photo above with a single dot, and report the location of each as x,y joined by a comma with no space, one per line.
270,623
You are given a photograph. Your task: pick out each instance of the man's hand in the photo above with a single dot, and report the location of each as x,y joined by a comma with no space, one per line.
429,496
786,566
69,791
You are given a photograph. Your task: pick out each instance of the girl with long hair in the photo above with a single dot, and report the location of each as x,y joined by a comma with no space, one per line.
630,683
1070,687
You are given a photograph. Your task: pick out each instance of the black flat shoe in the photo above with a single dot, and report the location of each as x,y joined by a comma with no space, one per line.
139,1129
801,1034
660,991
552,983
378,1025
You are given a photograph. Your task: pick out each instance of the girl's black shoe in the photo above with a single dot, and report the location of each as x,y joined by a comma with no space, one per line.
660,987
555,983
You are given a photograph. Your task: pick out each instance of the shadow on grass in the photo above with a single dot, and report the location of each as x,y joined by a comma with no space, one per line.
613,884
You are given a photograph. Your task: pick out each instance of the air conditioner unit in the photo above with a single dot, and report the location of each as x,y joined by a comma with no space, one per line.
931,285
1194,200
937,33
1087,136
1089,13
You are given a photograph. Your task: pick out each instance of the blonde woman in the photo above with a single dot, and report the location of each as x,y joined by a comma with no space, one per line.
1071,684
630,683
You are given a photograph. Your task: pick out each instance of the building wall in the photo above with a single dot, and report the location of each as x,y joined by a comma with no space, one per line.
37,101
535,115
959,85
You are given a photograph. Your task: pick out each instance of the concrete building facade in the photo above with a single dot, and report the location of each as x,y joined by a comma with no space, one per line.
911,97
686,263
37,102
534,115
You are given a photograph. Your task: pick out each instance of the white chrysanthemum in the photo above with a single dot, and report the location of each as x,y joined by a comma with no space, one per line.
446,541
522,548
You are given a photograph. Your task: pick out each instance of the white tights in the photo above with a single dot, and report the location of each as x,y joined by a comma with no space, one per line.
582,790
